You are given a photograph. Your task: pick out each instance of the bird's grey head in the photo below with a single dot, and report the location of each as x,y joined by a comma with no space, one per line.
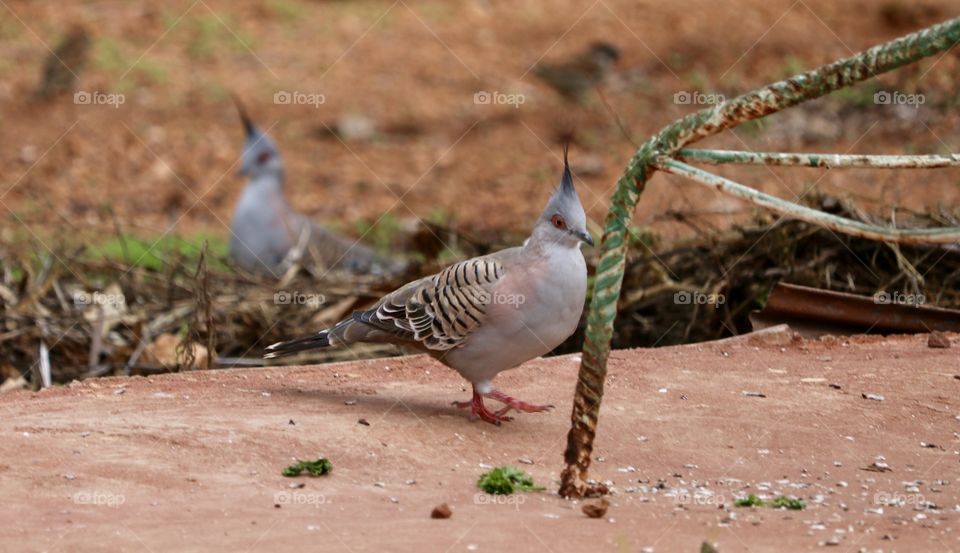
564,221
260,155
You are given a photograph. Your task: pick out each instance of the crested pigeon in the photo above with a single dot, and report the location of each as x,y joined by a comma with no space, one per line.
64,64
266,231
573,79
487,314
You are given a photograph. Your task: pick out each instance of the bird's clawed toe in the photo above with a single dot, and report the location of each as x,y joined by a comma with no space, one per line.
517,404
480,411
493,418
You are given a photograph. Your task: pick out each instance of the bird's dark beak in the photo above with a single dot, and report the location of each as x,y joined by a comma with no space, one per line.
584,236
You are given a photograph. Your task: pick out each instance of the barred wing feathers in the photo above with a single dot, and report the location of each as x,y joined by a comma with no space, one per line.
440,311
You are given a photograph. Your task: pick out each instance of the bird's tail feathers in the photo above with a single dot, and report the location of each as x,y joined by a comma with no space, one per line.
316,341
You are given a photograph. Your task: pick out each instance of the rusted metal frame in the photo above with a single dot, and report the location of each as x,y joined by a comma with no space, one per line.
810,215
813,312
827,161
672,138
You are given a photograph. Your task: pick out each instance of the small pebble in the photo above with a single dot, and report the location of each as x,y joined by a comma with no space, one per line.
596,509
835,540
355,127
441,511
938,340
707,547
879,465
872,397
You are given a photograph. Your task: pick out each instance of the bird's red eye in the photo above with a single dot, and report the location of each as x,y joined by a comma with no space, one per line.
263,157
557,221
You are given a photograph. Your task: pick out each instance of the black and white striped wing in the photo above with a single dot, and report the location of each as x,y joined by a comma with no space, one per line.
440,311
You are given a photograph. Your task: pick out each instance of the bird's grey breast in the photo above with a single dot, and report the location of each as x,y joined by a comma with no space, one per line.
260,230
550,294
532,309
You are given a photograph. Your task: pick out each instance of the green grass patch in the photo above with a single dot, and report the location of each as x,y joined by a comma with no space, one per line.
155,252
209,36
379,233
319,467
780,502
506,480
109,56
750,501
290,11
784,502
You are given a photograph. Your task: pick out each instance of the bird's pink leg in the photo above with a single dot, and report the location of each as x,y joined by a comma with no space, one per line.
516,404
479,411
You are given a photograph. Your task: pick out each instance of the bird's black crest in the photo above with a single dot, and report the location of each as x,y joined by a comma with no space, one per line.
566,183
247,123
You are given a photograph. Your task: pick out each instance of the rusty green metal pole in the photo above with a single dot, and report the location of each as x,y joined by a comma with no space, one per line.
850,227
825,161
693,127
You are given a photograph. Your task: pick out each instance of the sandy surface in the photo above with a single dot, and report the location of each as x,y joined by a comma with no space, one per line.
192,461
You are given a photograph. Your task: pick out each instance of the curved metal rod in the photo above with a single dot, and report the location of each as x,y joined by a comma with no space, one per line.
947,235
828,161
681,133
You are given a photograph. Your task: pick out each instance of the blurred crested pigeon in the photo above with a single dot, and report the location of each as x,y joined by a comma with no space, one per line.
573,79
265,231
487,314
64,64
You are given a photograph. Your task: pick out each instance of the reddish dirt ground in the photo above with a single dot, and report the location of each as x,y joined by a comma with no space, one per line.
192,461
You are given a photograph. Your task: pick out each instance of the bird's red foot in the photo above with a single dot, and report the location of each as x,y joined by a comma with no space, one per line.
479,411
516,404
